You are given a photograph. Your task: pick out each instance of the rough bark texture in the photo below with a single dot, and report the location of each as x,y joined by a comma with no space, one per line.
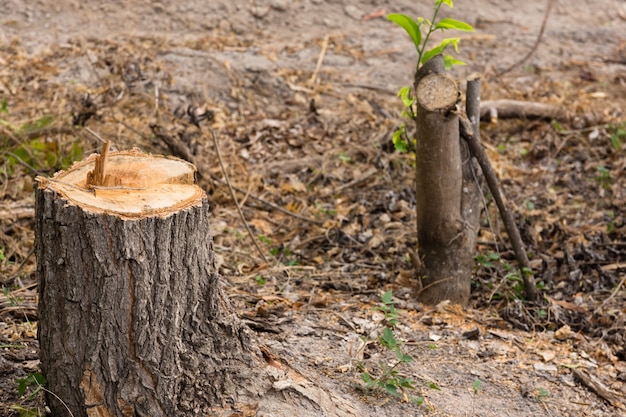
132,318
446,194
132,315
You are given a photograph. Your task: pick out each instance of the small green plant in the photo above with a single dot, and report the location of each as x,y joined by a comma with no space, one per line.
488,260
420,31
10,296
265,239
603,177
476,385
35,382
343,157
280,252
542,394
610,215
389,377
617,134
260,280
388,307
492,262
324,210
32,150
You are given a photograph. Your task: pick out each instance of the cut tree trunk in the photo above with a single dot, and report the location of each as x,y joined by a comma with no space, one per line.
132,317
446,193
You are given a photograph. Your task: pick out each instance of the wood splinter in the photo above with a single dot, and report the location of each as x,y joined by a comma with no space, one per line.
96,177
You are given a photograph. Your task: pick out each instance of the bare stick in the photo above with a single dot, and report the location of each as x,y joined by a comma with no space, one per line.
472,103
595,385
467,133
507,109
534,48
234,197
472,108
320,60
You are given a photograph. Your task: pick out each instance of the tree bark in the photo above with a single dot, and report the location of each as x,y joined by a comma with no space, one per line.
447,201
132,317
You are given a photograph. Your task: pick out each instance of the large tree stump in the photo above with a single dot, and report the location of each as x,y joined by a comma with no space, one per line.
132,319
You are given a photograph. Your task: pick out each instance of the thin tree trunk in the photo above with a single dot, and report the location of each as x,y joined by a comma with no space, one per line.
446,193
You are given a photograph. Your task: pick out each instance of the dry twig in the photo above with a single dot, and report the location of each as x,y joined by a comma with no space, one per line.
534,48
477,151
234,197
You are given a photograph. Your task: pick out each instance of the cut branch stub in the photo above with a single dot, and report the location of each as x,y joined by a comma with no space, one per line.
436,92
98,175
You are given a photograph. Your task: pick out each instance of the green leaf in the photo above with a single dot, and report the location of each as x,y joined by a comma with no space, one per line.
476,385
409,25
449,61
392,389
398,140
388,339
4,107
440,48
22,384
407,358
448,23
446,2
417,401
406,383
39,378
387,298
405,96
434,386
366,377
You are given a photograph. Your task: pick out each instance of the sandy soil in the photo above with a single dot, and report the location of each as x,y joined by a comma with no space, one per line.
254,63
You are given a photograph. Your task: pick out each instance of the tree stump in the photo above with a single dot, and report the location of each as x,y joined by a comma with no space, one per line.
446,194
132,317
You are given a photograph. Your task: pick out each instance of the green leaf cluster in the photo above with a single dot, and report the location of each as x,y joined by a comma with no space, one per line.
420,41
35,379
23,145
388,307
492,262
420,31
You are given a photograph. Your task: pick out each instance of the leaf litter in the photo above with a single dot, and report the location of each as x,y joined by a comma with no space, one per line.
332,206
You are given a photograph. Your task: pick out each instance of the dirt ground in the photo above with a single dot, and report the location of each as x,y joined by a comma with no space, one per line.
303,96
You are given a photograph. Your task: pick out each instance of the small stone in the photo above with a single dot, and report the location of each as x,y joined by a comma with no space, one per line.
353,11
564,333
544,367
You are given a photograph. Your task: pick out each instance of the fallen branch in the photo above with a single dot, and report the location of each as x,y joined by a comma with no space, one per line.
467,133
598,387
492,110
